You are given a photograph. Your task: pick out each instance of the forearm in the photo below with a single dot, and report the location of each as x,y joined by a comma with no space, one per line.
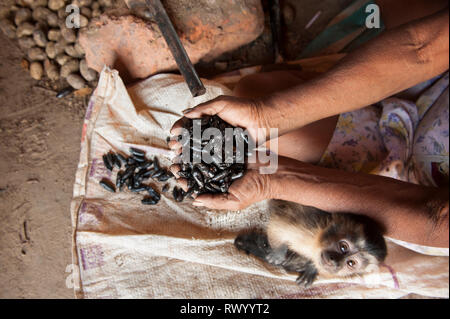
393,12
407,212
389,64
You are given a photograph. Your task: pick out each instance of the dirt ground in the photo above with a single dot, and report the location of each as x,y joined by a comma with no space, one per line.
39,151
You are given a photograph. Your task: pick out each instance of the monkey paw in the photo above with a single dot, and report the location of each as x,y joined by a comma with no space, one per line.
254,243
276,257
306,278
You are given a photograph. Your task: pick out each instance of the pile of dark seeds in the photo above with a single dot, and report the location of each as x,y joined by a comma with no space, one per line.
202,177
215,177
137,170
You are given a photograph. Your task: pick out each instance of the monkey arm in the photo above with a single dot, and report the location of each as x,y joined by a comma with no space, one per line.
408,212
394,61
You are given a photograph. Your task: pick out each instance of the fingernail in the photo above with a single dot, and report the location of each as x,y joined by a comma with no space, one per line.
197,203
187,110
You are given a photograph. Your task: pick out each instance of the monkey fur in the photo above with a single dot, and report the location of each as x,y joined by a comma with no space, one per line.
309,241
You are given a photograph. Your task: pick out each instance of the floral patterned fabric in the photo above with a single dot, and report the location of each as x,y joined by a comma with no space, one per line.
397,138
357,144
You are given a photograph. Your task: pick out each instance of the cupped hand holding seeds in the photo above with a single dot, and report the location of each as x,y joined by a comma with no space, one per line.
213,158
239,112
253,187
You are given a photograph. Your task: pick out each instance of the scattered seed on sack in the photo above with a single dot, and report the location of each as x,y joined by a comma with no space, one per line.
133,172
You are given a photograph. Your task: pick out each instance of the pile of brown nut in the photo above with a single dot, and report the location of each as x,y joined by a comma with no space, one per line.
51,48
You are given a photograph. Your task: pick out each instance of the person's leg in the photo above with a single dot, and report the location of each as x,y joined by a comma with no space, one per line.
306,144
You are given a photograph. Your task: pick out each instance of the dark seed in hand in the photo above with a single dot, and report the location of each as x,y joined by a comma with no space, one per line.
149,201
121,158
138,189
137,152
157,174
164,178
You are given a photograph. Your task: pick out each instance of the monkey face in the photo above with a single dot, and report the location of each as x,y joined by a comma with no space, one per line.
351,247
344,258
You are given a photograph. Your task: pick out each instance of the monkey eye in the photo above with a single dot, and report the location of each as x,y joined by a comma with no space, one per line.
351,263
343,246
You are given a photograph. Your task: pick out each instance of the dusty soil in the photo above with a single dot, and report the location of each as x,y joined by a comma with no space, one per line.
39,150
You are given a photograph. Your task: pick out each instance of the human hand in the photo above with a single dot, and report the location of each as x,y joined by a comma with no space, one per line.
251,188
239,112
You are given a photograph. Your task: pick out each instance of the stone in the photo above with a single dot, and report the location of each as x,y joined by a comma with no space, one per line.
87,12
86,72
76,81
52,19
93,83
13,9
96,13
42,25
8,28
70,66
54,34
36,3
137,49
55,5
39,38
83,21
60,46
22,15
62,14
51,70
5,13
24,29
41,13
105,3
71,51
36,54
79,48
62,59
95,6
36,70
85,3
26,42
68,34
50,50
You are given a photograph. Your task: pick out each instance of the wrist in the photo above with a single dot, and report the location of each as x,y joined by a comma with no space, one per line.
283,111
273,189
270,112
286,184
260,111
